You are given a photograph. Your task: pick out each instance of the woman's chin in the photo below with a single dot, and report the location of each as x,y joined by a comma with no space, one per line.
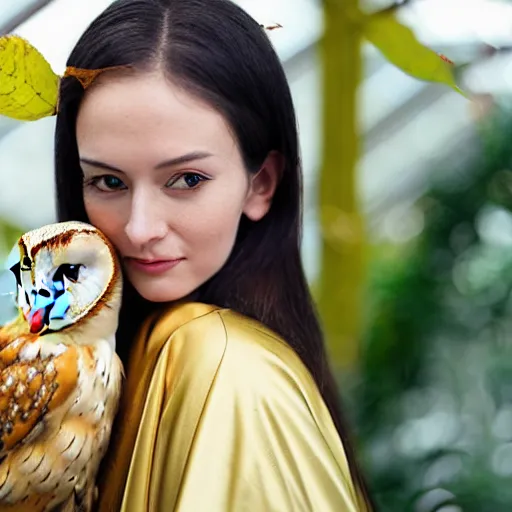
162,297
159,292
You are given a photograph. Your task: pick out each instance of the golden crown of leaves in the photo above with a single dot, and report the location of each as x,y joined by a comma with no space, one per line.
29,88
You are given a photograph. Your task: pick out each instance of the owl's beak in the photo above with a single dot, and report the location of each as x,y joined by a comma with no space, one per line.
46,308
36,321
37,316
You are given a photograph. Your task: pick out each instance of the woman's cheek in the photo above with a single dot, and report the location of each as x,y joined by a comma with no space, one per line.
218,241
105,217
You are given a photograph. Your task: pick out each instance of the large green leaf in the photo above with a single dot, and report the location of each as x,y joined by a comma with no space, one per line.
401,47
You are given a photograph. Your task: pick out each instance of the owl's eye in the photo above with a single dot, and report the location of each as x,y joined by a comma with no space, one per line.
69,271
27,263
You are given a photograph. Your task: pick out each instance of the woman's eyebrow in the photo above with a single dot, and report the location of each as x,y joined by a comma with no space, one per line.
101,165
183,159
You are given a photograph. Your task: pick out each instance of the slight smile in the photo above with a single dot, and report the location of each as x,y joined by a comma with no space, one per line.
152,266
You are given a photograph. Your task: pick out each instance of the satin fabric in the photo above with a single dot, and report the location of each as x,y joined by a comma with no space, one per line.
220,415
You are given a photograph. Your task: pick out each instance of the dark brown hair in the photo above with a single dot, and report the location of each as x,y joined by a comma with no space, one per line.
215,50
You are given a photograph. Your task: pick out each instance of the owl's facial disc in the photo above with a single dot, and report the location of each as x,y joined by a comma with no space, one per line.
67,274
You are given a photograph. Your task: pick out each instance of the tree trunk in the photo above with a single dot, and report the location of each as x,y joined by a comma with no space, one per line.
342,265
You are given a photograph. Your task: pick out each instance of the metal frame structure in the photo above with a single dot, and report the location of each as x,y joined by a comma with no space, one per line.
22,16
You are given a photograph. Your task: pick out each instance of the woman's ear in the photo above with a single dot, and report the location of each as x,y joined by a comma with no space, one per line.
263,186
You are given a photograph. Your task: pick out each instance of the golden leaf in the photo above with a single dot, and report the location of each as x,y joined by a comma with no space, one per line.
400,46
29,88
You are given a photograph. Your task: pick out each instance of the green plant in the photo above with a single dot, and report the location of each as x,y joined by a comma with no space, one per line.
433,404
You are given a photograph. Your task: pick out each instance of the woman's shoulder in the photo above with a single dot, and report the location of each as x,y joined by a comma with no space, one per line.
246,349
248,393
240,361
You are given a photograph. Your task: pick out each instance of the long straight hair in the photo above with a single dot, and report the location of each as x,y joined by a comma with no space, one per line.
216,51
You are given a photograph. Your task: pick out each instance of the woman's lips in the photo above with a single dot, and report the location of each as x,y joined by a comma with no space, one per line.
152,266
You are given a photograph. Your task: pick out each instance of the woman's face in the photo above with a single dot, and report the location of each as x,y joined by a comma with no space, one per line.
165,181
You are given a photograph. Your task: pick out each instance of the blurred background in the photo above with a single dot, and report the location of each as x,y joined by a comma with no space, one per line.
408,223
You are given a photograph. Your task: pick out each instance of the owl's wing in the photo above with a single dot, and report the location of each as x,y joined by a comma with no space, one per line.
33,382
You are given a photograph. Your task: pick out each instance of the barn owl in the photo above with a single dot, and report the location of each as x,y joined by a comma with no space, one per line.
60,378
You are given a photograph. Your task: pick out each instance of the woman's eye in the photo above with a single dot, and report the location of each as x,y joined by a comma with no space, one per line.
108,183
186,181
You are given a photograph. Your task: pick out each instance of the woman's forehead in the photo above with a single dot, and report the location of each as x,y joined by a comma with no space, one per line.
151,111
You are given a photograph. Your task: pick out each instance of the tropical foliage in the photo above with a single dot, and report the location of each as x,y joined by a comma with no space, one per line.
433,404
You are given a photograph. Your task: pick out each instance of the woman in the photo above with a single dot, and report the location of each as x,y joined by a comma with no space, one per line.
185,155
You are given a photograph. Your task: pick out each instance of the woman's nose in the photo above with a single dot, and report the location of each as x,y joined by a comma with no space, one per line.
147,220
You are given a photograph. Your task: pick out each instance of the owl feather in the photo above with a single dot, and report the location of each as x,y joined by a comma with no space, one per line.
60,378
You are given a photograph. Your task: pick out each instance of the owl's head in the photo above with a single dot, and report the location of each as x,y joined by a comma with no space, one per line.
67,274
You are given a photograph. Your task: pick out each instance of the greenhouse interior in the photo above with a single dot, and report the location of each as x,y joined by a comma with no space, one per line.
426,388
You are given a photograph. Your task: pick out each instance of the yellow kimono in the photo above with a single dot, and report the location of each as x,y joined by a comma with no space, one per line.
220,415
